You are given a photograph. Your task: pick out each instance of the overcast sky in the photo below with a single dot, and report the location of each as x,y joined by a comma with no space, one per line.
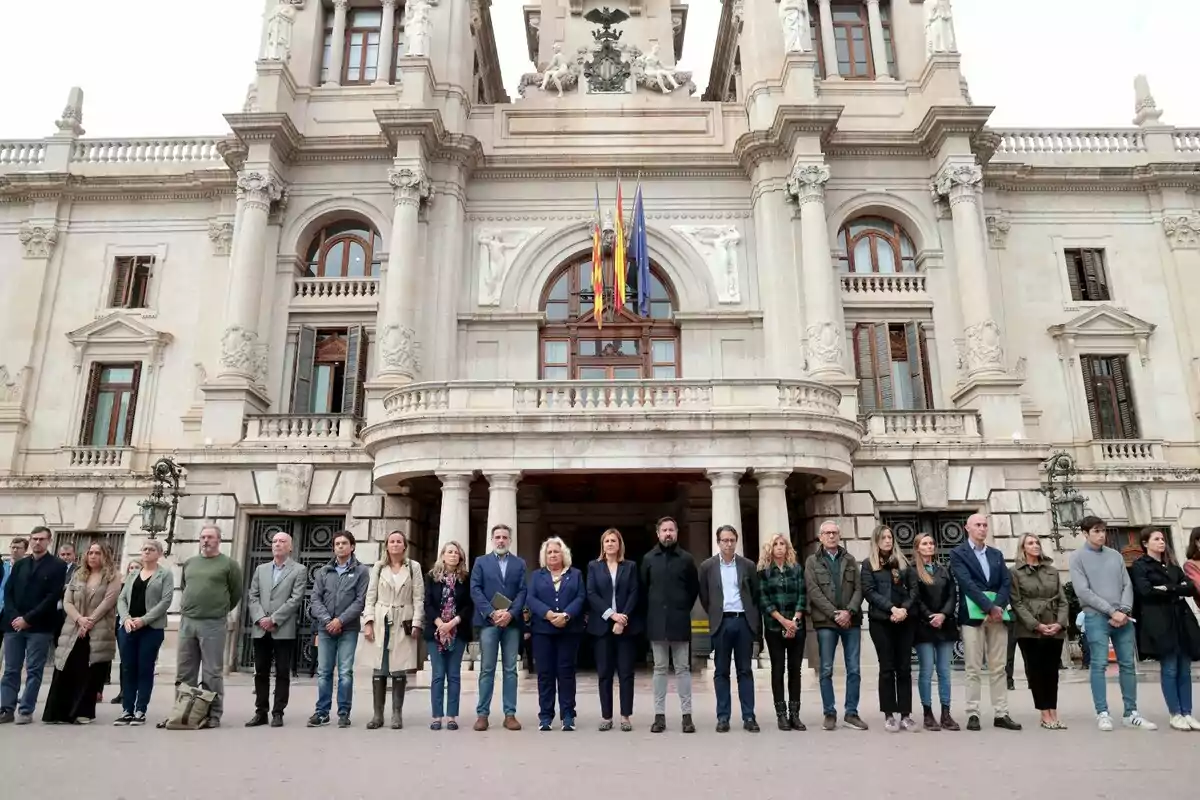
164,67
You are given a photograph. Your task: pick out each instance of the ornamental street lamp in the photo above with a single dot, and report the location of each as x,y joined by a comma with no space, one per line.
158,511
1067,505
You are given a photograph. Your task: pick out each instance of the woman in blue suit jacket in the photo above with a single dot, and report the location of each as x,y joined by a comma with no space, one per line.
612,593
555,600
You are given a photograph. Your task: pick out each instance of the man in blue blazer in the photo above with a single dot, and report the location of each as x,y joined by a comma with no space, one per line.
984,579
498,573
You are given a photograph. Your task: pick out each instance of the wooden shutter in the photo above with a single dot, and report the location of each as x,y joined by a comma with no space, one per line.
1089,392
131,412
139,283
864,364
356,371
1094,285
306,351
1125,410
89,408
883,366
1074,270
122,278
913,339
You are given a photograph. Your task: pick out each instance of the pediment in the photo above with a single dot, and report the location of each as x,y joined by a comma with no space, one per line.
1104,321
118,328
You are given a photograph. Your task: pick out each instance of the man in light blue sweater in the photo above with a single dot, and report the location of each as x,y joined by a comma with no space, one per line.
1105,591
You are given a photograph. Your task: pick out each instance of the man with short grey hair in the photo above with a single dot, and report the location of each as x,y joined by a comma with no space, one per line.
276,592
834,586
212,587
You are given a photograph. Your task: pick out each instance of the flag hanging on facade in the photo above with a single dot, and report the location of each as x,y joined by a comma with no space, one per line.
641,252
620,262
598,265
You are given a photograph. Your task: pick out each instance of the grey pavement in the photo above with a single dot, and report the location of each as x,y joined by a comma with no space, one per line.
100,761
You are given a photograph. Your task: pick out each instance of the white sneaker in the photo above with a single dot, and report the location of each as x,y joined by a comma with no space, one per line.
1104,721
1136,720
1192,722
1179,723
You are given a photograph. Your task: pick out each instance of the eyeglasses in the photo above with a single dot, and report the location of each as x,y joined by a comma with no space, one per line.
727,541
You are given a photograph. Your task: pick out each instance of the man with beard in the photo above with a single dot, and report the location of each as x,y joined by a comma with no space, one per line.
498,593
672,584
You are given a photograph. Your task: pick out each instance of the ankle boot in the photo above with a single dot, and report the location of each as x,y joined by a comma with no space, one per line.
781,716
794,716
398,687
930,723
378,694
948,722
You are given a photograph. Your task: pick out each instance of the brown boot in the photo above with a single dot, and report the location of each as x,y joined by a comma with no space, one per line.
948,722
511,724
930,722
378,696
481,723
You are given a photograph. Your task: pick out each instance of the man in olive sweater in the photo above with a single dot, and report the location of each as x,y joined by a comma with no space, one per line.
212,587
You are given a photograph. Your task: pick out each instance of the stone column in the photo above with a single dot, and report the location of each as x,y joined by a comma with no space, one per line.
828,42
502,505
338,58
387,44
822,294
772,505
241,353
775,253
399,350
455,521
878,45
726,504
960,182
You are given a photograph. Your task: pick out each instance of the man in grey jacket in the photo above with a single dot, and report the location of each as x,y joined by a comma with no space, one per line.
338,599
1105,591
276,592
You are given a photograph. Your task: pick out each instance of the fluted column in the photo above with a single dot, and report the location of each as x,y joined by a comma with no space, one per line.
338,57
828,42
387,44
399,351
878,45
960,182
726,504
502,505
242,355
772,505
454,524
822,295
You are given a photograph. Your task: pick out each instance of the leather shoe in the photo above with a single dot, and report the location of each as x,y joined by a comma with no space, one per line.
659,725
751,725
481,723
722,726
258,719
1006,722
511,724
973,723
688,726
277,719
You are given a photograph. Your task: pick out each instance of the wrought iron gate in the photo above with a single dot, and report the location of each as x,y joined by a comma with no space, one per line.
312,547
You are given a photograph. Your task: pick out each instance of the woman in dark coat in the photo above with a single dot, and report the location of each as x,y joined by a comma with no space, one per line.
1166,628
448,614
887,582
936,631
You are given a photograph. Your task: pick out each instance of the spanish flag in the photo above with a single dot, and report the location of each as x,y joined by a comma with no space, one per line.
597,265
620,263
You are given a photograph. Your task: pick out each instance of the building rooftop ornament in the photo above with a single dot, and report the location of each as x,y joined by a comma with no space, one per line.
71,120
607,71
1146,111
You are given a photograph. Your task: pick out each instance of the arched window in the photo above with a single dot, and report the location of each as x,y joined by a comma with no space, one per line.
345,249
627,347
874,244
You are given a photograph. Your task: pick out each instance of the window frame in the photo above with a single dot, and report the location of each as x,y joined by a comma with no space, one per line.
363,65
1115,388
895,239
96,387
113,254
874,384
306,358
1078,281
823,70
323,241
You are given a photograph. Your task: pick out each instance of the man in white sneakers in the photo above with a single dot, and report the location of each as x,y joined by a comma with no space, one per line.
1105,591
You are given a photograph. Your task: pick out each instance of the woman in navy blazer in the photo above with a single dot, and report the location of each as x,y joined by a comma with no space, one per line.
612,594
556,597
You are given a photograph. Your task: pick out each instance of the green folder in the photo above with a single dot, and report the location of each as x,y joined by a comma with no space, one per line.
975,612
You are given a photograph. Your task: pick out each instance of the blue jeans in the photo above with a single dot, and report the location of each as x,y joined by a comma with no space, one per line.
1098,632
139,652
930,654
1176,680
446,683
493,641
733,638
22,648
339,649
827,642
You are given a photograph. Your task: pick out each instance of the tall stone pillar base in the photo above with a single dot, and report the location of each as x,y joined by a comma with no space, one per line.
227,404
998,401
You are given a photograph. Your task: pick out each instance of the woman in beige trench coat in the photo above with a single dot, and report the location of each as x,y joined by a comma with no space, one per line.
392,622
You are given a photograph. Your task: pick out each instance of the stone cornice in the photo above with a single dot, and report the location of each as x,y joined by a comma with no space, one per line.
197,185
924,141
606,168
275,128
425,125
777,141
1012,177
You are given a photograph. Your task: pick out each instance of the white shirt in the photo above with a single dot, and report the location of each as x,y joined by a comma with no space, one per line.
730,588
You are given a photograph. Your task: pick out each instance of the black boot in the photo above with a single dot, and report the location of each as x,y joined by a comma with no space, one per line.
398,687
794,716
781,716
378,695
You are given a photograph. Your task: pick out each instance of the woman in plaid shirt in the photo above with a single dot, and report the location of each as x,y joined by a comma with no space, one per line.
781,582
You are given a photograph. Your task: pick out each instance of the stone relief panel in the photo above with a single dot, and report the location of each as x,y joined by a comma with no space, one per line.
498,248
293,484
38,240
717,245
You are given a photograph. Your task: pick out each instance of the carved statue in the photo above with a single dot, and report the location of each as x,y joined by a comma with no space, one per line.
242,352
278,46
793,15
495,254
558,71
419,29
939,27
652,67
718,246
400,350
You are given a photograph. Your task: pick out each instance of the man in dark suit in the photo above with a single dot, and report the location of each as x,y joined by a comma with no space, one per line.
34,587
728,594
276,594
498,573
983,579
671,586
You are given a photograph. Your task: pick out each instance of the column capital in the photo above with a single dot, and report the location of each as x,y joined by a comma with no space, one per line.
38,241
455,480
502,480
771,479
721,478
258,188
807,181
410,185
958,181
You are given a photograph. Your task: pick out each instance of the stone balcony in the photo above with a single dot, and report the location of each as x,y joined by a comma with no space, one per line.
302,431
96,459
923,427
463,426
890,289
329,294
1127,453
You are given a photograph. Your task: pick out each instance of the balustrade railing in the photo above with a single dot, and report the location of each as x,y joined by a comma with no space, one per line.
924,426
867,285
146,151
335,289
302,430
22,154
98,458
1127,451
1116,140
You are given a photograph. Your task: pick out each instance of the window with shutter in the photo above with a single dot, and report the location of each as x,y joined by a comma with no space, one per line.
1124,395
1109,397
1087,274
914,339
302,379
864,364
892,366
89,410
356,372
131,281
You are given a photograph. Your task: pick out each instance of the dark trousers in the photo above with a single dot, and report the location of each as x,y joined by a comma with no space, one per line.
139,654
894,644
554,655
782,649
733,638
1010,665
282,652
615,654
1042,658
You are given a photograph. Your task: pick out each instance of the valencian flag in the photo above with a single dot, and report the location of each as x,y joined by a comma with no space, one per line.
597,266
641,252
620,262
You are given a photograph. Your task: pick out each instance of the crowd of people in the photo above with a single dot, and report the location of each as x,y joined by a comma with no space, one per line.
82,615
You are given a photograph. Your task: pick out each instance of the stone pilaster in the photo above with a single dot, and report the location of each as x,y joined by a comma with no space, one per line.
338,58
824,347
772,505
399,349
828,42
387,44
878,44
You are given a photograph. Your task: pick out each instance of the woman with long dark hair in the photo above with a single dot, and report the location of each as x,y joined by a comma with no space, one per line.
936,633
888,587
1191,567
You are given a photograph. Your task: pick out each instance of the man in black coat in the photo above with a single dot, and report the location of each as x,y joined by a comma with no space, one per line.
671,586
31,597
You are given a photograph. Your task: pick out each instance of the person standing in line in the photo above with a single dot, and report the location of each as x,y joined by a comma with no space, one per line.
134,566
396,600
16,549
1105,591
556,601
781,586
833,584
31,597
142,608
448,614
1191,567
66,554
498,576
276,597
1166,627
613,622
671,584
338,599
1039,604
936,630
729,593
888,588
986,586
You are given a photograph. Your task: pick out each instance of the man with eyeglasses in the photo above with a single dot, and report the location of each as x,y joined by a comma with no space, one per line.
31,595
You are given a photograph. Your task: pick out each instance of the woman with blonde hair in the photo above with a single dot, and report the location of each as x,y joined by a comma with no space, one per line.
88,640
890,590
936,632
142,606
396,599
448,605
612,599
782,603
1039,604
556,599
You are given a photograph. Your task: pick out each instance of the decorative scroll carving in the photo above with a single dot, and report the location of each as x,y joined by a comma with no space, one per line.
259,189
292,485
409,185
956,181
38,240
807,181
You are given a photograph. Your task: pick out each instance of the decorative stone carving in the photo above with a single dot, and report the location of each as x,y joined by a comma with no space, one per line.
497,250
38,240
560,71
400,350
608,71
221,235
476,16
959,181
71,120
1183,230
939,27
931,478
650,72
293,482
1146,111
250,106
984,351
259,189
793,16
576,7
824,346
998,227
418,28
409,185
12,386
807,181
199,378
739,12
718,247
278,43
242,353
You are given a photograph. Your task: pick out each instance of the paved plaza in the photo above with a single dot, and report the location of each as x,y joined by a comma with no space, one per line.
294,762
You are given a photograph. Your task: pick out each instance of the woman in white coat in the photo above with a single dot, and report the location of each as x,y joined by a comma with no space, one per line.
392,622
